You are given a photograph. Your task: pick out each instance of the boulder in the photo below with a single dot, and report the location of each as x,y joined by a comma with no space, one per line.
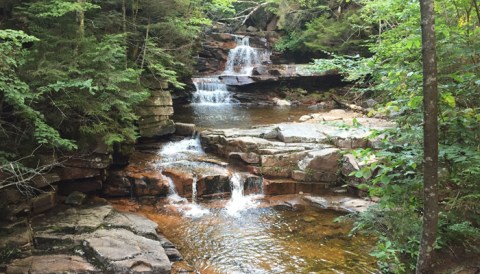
340,203
125,252
44,202
281,102
321,160
184,129
75,198
116,242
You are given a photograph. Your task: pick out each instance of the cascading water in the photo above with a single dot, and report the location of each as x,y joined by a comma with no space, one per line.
194,190
239,201
172,192
240,62
243,58
179,153
210,90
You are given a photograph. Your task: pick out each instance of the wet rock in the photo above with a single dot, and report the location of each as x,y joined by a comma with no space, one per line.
157,129
123,251
117,185
183,180
184,129
279,187
150,186
283,207
75,198
212,184
281,102
51,264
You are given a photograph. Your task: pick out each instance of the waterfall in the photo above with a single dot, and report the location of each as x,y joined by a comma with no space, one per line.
240,62
172,192
210,90
242,59
239,201
194,190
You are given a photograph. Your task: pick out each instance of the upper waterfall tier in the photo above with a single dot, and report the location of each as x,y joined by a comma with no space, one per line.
243,58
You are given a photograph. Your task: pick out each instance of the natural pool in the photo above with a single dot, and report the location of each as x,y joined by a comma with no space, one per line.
271,237
237,115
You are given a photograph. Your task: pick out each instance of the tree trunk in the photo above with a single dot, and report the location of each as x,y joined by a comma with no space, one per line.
145,45
430,139
124,27
477,10
81,20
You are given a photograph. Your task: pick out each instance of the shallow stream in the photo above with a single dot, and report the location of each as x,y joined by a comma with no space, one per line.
269,238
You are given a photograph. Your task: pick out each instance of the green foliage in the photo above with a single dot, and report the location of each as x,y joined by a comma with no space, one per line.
394,74
58,8
320,25
16,94
79,68
353,68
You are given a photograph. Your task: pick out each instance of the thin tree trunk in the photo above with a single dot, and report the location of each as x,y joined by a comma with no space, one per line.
81,21
124,26
477,10
145,45
430,139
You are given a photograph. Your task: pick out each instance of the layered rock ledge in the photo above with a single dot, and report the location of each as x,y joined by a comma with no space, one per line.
94,239
296,157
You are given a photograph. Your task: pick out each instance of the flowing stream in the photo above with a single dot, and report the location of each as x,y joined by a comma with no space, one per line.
241,61
241,230
248,232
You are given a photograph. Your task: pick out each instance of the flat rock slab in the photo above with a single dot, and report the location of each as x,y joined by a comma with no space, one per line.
51,264
125,252
112,241
340,203
74,220
134,222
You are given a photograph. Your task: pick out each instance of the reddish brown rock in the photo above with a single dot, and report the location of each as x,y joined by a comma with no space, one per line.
249,158
182,180
279,187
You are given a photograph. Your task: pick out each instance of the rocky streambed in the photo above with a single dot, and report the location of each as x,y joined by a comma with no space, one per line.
304,158
93,238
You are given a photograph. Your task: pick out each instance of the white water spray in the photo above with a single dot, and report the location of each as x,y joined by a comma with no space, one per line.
243,58
238,201
240,62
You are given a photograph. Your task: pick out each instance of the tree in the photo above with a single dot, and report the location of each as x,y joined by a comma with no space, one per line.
430,138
